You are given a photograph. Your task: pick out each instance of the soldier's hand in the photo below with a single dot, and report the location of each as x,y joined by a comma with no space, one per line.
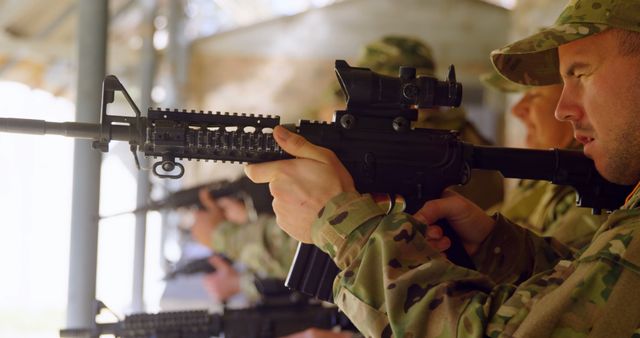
224,282
471,223
318,333
206,221
301,186
214,211
202,228
436,238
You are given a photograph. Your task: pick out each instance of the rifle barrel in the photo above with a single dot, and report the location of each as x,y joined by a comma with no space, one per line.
68,129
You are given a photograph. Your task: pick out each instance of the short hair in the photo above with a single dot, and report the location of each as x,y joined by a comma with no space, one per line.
628,42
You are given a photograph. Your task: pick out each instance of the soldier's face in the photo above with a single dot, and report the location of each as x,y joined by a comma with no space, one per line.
601,99
536,110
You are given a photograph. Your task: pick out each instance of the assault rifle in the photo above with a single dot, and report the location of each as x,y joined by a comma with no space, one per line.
373,138
255,196
264,321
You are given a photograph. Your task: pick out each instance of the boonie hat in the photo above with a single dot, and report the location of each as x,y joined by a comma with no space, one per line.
496,81
534,60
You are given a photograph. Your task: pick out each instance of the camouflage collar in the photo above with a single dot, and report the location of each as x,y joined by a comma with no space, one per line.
633,200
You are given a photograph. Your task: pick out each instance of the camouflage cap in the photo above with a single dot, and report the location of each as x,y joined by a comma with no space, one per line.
385,56
496,81
534,60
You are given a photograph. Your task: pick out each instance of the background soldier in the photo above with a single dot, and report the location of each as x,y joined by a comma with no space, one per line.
549,210
386,56
258,244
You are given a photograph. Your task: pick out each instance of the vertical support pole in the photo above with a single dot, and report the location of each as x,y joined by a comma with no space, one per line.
177,54
177,60
92,25
147,76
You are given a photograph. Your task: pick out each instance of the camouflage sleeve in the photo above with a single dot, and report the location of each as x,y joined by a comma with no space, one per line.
512,254
569,223
392,282
261,246
227,236
248,287
271,256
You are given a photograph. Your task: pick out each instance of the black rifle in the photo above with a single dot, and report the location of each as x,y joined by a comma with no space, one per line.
255,196
200,265
264,321
373,138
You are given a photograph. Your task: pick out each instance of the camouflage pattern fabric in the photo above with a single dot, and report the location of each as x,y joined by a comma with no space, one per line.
534,60
550,211
634,197
385,56
393,284
498,82
261,246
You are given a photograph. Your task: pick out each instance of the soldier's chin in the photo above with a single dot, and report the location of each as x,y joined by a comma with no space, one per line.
613,174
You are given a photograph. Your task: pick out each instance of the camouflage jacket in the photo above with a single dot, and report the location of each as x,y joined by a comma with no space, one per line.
394,284
485,187
550,211
262,247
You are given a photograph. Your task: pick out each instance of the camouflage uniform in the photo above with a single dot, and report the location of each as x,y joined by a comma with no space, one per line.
385,56
261,246
550,210
394,284
547,209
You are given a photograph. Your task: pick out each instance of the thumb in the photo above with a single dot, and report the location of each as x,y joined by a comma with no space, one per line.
298,146
436,209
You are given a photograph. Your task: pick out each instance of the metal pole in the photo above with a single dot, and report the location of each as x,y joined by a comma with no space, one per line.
92,50
177,54
147,76
176,57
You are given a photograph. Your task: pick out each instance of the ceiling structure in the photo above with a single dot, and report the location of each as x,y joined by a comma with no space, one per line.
37,41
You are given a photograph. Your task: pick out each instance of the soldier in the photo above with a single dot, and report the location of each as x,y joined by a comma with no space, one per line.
386,56
258,244
547,209
401,286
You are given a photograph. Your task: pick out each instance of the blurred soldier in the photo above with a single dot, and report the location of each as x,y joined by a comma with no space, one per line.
386,56
258,244
549,210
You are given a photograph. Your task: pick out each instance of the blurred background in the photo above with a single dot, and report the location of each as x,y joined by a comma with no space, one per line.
250,56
